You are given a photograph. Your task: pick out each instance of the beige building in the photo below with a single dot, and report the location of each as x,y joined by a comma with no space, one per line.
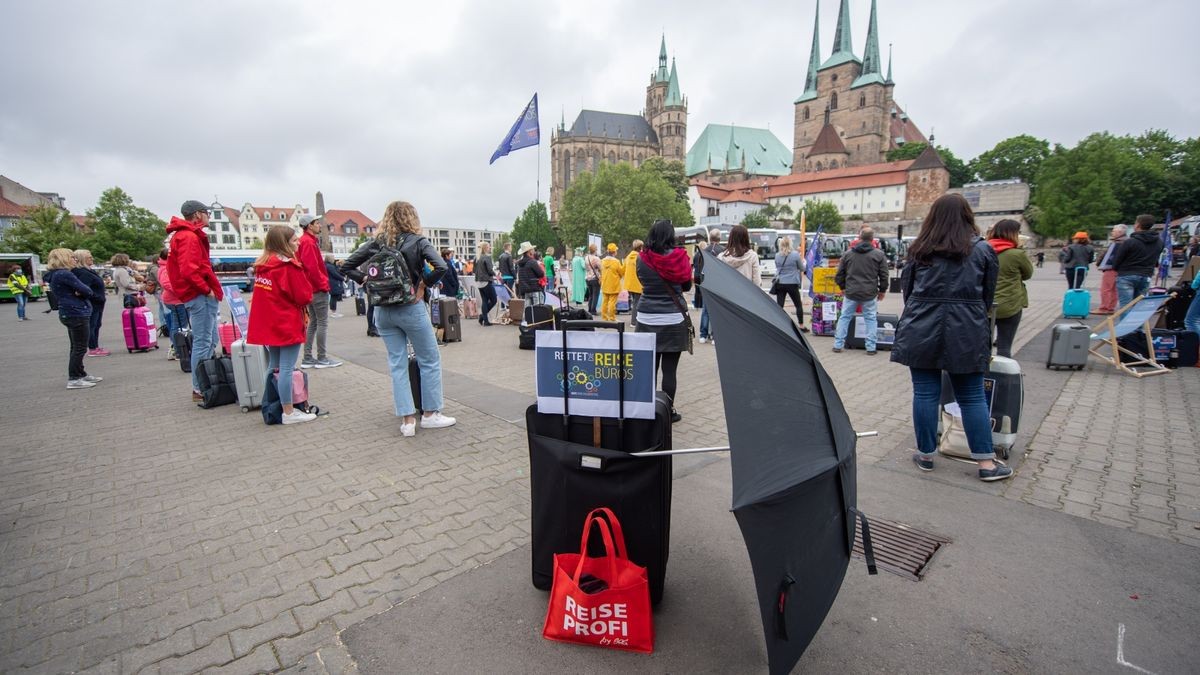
603,137
847,115
464,240
256,220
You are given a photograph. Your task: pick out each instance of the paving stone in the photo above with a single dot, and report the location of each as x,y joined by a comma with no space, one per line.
261,660
244,640
292,649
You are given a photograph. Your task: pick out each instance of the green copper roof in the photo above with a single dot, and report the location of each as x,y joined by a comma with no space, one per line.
673,95
660,75
724,146
871,65
889,75
814,61
843,52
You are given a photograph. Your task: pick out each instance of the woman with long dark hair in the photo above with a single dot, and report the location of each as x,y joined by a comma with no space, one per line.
666,273
948,285
1011,296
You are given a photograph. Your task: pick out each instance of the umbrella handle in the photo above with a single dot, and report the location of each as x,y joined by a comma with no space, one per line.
721,448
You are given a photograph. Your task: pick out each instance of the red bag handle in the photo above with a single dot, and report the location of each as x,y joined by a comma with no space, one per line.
608,549
617,533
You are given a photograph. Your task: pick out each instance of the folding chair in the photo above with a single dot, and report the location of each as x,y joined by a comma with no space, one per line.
1139,314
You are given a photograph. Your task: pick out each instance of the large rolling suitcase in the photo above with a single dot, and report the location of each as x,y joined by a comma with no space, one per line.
249,373
1004,393
444,313
140,334
360,305
579,463
885,332
535,318
1069,346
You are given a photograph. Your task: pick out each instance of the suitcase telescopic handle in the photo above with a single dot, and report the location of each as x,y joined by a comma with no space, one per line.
576,324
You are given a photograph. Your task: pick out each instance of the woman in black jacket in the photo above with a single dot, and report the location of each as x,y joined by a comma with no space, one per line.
450,282
400,324
665,271
949,284
485,275
530,275
337,285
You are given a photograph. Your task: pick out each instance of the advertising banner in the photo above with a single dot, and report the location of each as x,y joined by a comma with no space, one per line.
593,372
237,308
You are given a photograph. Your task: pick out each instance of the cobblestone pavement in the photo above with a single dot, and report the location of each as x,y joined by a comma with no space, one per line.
139,533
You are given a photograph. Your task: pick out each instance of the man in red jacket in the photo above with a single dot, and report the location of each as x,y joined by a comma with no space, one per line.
310,256
194,282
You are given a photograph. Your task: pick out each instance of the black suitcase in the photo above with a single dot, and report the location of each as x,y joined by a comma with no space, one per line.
1176,309
571,474
182,341
885,332
360,306
217,383
536,317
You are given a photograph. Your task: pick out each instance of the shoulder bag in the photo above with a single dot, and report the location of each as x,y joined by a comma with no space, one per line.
679,304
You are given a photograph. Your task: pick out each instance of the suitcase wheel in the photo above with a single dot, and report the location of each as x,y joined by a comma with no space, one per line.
1002,452
245,409
130,351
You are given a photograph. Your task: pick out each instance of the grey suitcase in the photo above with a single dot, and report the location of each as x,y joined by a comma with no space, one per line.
1069,346
249,373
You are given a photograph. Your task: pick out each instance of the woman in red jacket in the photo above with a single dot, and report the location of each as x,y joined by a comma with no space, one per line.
281,293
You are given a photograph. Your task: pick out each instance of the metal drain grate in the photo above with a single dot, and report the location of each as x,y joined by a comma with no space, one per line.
899,549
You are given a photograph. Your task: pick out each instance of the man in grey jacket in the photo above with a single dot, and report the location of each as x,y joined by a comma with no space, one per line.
863,277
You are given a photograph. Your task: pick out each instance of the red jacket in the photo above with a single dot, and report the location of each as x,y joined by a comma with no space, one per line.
309,254
188,265
281,292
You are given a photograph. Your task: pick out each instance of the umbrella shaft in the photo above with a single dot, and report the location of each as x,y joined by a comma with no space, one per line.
723,448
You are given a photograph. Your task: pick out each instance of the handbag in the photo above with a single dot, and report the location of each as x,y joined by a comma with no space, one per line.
775,285
679,304
603,602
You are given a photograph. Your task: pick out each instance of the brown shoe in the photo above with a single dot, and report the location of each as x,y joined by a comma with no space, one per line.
197,397
871,353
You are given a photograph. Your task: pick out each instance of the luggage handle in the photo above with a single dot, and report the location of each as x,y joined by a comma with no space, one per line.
619,326
578,324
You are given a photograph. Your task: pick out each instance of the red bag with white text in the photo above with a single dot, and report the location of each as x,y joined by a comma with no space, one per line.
603,602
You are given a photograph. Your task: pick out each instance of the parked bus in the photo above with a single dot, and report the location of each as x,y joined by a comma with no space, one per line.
32,267
233,267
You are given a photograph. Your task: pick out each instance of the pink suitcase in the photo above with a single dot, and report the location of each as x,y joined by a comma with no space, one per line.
140,334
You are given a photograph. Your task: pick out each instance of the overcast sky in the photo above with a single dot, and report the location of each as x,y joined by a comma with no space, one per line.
268,102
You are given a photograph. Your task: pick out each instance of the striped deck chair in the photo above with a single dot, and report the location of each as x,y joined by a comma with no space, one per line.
1139,314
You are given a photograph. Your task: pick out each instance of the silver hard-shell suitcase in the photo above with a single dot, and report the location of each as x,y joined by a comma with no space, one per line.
1069,346
249,373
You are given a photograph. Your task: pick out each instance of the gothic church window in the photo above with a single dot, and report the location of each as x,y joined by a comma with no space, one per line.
806,113
862,103
833,98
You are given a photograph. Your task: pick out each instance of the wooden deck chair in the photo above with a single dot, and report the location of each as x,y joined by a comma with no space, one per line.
1139,314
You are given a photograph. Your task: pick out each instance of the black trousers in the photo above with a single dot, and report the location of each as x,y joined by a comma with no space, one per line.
1006,331
667,364
791,291
488,293
333,300
593,295
78,329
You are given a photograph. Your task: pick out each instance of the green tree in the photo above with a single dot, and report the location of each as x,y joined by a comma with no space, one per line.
120,226
960,173
499,241
1016,157
534,227
671,171
1075,188
43,228
619,203
756,219
823,214
778,212
257,245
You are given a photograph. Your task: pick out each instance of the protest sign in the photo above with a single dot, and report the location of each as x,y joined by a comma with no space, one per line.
593,371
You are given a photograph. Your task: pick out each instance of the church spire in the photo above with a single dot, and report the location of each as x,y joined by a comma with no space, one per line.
814,60
660,75
889,75
673,95
871,66
842,50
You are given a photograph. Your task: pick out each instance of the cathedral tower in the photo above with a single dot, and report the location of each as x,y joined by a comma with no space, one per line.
666,108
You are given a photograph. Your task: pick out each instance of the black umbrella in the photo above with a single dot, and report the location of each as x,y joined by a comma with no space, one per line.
792,453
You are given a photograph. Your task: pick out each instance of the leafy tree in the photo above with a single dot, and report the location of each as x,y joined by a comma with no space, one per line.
960,173
1016,157
534,226
673,172
43,228
1075,188
756,219
499,241
257,245
120,226
619,203
821,213
782,212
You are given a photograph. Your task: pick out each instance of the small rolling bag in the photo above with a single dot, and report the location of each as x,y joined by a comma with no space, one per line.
182,341
360,305
140,334
1078,301
1069,346
450,319
579,463
536,317
885,332
249,373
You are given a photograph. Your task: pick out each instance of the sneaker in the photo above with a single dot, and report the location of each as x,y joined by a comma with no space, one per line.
837,350
923,462
437,421
93,378
308,363
703,340
79,384
871,352
298,416
327,363
197,397
171,353
334,315
408,430
999,472
675,416
103,352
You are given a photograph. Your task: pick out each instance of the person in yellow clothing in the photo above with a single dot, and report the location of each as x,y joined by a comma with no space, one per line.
632,284
611,273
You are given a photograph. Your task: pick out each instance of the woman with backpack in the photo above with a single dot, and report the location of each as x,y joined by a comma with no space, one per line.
282,292
397,257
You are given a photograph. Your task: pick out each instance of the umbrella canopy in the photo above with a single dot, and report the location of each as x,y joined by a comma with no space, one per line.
792,453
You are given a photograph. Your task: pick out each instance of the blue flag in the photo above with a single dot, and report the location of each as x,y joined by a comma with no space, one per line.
524,132
1168,256
812,258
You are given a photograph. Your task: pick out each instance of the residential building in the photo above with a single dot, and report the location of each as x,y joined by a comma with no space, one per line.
223,228
345,229
16,200
464,240
256,220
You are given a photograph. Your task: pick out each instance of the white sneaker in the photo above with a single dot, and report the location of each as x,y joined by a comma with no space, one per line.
296,417
437,421
79,384
93,379
334,315
703,340
409,429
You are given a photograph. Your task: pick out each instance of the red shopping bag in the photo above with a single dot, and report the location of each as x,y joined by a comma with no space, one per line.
604,602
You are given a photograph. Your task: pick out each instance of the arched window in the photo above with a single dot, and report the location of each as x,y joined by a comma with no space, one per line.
833,101
612,157
806,114
820,167
862,100
833,163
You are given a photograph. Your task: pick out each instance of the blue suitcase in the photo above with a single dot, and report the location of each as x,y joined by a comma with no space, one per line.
1078,301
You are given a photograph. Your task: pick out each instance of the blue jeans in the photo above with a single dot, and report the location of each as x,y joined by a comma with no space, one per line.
968,391
21,299
179,318
704,328
202,313
1192,320
849,310
1130,287
400,325
284,359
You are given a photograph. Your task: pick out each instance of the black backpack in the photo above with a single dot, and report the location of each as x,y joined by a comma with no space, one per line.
389,281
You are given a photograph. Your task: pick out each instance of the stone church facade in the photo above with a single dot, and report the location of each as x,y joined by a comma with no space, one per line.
847,115
598,137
